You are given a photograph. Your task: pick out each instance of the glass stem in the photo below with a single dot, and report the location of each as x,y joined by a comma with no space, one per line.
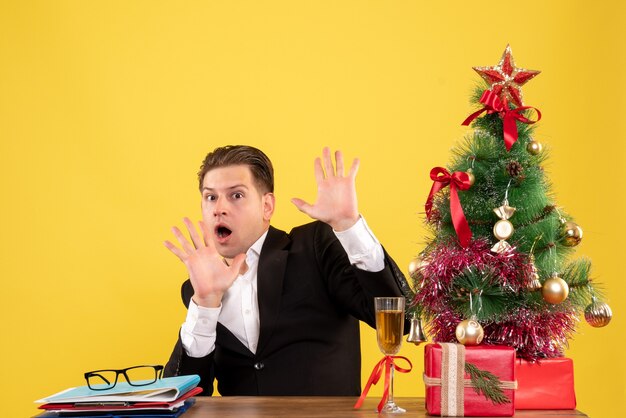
390,397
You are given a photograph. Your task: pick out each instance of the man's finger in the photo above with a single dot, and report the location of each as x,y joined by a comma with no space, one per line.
302,205
176,251
237,263
339,163
206,235
328,162
319,171
195,238
354,168
183,241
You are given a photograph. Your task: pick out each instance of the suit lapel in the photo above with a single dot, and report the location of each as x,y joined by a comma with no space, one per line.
272,264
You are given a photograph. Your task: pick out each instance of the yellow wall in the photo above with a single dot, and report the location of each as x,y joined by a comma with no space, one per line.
107,108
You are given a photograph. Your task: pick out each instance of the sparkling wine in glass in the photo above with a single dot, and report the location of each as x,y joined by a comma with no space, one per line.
389,327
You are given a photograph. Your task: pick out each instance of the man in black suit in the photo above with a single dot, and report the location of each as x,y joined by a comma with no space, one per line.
271,313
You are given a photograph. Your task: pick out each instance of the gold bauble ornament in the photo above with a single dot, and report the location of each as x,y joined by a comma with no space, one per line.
470,174
534,147
571,234
598,314
469,332
416,266
555,289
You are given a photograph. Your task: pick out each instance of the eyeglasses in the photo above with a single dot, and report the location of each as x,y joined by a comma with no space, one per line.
135,376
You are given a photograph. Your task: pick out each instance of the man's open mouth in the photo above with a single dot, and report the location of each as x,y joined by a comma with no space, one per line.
222,232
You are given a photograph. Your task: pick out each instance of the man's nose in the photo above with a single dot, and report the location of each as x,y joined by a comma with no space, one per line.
220,207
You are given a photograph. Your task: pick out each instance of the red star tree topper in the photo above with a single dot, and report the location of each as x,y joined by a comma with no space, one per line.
506,79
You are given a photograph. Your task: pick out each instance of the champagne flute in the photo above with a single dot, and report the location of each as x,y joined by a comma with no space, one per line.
389,327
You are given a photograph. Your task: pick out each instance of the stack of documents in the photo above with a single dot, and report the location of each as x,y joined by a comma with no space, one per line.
165,398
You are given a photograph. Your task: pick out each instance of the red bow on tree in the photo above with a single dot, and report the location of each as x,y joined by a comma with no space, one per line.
493,104
457,181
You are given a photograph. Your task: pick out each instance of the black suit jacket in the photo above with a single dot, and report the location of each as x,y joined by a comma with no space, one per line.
310,300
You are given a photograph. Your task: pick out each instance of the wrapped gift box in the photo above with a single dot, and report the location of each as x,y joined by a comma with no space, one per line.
547,384
448,388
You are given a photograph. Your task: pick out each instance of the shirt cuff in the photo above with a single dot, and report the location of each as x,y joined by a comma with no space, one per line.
201,320
199,330
362,247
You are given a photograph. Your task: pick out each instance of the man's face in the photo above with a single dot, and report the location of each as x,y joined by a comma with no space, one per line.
235,211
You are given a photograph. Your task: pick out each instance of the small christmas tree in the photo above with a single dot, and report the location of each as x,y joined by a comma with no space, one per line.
496,269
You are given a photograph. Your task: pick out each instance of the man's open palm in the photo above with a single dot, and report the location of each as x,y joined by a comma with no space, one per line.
336,202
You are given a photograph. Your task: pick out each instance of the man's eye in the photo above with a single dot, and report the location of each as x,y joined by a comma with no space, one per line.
209,197
238,195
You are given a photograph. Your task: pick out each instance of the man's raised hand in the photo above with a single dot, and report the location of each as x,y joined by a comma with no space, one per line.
336,193
210,276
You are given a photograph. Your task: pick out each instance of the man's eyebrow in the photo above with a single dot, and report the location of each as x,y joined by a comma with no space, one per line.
236,186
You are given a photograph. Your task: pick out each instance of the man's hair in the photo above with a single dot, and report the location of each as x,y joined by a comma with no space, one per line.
260,166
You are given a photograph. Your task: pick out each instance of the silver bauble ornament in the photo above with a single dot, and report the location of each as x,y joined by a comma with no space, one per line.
598,314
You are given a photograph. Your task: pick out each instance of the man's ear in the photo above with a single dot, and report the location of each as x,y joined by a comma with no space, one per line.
268,205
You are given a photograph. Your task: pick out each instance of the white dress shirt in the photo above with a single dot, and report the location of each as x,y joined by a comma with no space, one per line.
239,311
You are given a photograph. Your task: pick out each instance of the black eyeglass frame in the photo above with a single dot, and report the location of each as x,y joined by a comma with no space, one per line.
158,374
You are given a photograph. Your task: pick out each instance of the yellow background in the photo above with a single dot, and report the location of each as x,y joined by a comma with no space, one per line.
108,107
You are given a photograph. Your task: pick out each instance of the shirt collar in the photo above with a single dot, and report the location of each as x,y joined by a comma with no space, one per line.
254,251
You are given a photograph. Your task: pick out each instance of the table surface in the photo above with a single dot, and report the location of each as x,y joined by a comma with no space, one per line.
312,407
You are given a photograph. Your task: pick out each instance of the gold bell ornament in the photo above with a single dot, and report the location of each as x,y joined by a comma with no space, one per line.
416,333
598,314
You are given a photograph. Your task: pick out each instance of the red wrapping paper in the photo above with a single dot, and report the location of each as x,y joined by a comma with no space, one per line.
547,384
499,360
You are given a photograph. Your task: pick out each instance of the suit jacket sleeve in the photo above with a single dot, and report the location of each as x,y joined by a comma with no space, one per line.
181,364
353,288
